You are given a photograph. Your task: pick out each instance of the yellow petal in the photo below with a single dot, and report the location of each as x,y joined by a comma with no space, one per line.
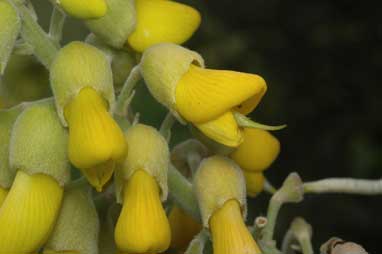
29,212
84,9
254,182
203,94
258,150
142,226
162,21
94,136
3,195
99,175
229,233
183,228
223,130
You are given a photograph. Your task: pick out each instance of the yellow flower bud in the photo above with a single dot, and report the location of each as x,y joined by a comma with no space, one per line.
217,180
258,150
143,23
28,213
10,26
76,66
183,228
254,182
142,226
84,9
229,233
77,226
95,140
206,98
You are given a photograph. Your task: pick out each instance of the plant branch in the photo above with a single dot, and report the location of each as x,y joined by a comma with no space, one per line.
345,185
165,128
43,47
181,191
125,97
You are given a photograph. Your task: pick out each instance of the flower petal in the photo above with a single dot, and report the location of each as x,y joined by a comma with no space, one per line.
142,226
162,21
254,182
29,212
203,94
223,130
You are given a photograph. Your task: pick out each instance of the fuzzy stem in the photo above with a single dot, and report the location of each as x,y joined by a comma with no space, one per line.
43,47
125,97
181,191
268,187
272,213
244,121
57,22
345,185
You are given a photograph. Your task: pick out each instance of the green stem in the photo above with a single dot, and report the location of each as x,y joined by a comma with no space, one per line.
181,191
126,95
57,22
273,211
43,47
268,187
165,128
345,185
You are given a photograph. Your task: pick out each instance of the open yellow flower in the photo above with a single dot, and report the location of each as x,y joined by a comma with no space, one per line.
141,185
140,24
206,98
95,140
28,213
220,190
229,233
142,226
84,9
258,150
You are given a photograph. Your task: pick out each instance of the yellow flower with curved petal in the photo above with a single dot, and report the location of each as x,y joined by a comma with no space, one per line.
258,150
229,233
142,226
3,195
183,228
28,213
254,182
162,21
84,9
95,140
206,98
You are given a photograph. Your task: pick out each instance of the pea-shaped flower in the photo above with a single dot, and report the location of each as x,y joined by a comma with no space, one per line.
258,150
82,85
220,189
142,226
140,24
38,155
206,98
7,119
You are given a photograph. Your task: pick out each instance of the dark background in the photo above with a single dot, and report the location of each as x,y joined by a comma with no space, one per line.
322,63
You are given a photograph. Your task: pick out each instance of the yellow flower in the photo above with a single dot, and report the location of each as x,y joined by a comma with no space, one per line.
258,150
162,21
229,233
254,182
140,24
142,226
206,98
84,9
183,228
95,140
28,213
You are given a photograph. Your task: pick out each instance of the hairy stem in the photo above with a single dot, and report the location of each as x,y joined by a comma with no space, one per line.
57,21
165,128
32,33
345,185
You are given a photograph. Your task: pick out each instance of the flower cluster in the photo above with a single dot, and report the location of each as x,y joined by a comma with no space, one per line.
84,130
